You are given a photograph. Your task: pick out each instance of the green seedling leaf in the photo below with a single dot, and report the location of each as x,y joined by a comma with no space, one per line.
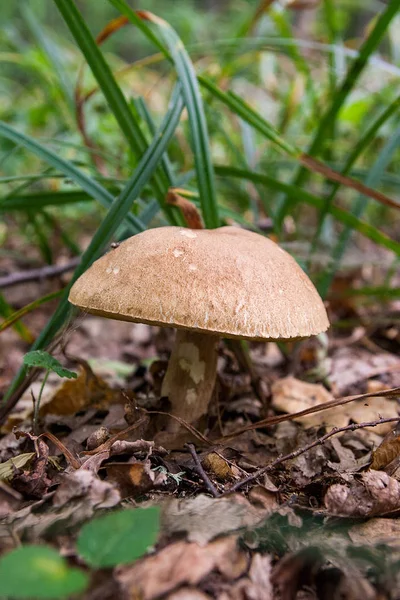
44,360
120,537
38,572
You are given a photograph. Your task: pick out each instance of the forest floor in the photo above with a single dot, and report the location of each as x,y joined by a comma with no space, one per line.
297,506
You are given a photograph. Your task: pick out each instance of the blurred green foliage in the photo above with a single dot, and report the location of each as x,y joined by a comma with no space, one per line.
78,120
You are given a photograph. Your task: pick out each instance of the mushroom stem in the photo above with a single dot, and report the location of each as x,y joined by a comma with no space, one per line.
190,377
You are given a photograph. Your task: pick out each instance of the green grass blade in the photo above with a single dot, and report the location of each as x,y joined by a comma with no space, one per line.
38,200
372,180
300,195
248,114
13,318
115,216
91,186
51,53
194,104
354,72
112,92
6,311
359,148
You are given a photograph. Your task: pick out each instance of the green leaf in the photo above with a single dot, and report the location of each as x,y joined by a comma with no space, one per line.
194,104
44,360
39,572
120,537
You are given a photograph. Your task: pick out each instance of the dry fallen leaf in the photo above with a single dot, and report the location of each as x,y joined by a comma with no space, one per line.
375,493
84,484
204,518
257,586
9,467
178,564
351,365
377,531
188,594
292,395
34,481
387,451
133,479
214,463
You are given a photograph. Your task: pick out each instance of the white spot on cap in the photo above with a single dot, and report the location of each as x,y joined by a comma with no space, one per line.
192,268
116,270
177,252
109,270
188,233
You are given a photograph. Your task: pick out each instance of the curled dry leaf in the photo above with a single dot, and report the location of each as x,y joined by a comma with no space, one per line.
34,481
387,451
204,518
84,484
9,467
375,493
178,564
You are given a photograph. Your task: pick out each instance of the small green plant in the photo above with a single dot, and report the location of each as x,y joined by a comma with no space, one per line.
39,572
43,360
107,541
120,537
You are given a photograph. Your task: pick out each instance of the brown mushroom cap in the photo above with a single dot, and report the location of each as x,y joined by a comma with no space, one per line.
226,281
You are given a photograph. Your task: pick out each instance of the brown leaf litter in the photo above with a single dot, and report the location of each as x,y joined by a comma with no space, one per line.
307,521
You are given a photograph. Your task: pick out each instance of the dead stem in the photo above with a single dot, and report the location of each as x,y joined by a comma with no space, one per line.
201,472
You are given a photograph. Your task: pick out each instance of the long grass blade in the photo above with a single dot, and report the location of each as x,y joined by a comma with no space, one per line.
51,53
7,312
359,148
89,185
115,216
354,72
300,195
194,104
112,93
249,115
373,178
14,317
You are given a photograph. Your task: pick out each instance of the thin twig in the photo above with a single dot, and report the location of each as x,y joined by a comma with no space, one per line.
393,392
319,442
201,472
38,274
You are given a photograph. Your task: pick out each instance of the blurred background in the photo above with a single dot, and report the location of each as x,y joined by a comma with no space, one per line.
278,78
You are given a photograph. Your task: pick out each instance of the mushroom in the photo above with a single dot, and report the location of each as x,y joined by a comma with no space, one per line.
208,284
